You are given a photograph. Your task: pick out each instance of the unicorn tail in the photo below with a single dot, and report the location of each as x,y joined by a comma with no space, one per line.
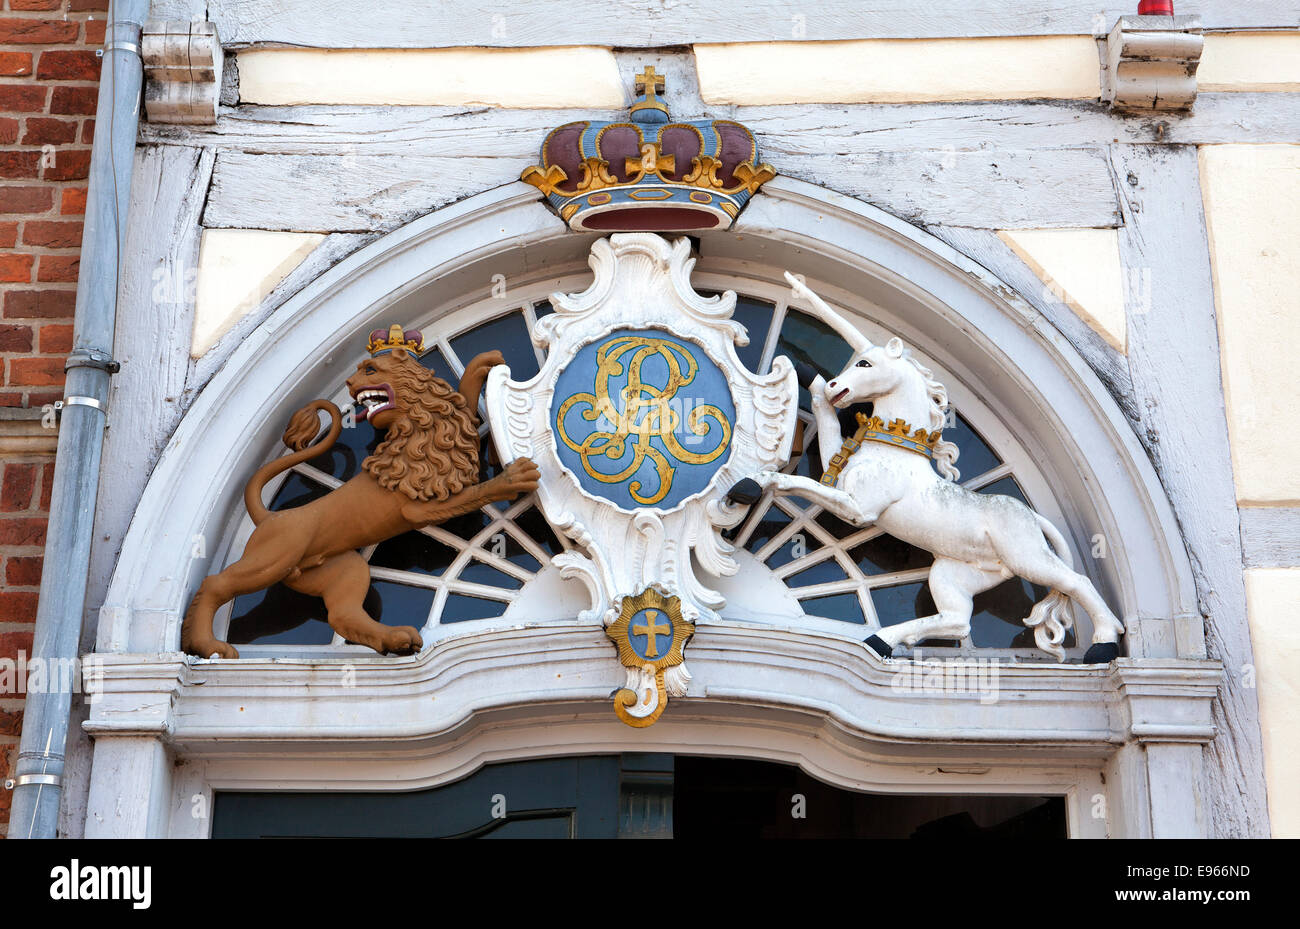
1051,617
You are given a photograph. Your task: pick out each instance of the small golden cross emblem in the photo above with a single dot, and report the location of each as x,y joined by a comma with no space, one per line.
648,82
650,629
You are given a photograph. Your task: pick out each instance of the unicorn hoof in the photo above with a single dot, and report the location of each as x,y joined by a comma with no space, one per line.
881,647
745,491
1101,653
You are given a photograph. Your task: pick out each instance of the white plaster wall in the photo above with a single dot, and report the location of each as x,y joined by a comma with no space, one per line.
1081,268
1259,61
1252,203
1273,599
515,77
900,70
237,269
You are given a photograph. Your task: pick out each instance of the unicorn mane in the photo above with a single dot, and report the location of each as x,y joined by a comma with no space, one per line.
945,453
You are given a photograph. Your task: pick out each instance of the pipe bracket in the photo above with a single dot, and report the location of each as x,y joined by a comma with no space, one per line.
92,358
47,780
79,401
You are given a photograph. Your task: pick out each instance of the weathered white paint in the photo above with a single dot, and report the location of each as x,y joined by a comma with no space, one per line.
237,269
1151,62
538,690
989,250
1273,595
498,132
900,71
353,192
933,293
1180,419
182,70
657,23
1252,201
150,391
1081,268
1251,61
522,77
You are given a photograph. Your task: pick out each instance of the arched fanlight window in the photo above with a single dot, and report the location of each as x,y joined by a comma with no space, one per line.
800,566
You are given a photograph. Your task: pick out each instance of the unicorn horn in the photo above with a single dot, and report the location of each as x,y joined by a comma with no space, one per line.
820,309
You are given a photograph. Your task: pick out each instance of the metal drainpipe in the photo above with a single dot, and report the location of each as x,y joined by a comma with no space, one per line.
38,781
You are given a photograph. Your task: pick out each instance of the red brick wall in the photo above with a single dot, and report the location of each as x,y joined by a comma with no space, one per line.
49,79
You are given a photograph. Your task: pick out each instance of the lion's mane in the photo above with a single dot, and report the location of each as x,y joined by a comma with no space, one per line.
431,451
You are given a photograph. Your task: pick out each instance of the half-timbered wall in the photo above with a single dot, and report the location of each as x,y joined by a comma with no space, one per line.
1162,248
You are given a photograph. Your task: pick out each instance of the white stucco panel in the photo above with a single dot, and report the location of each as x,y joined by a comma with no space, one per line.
1273,601
237,269
1256,61
510,77
1081,268
900,70
1252,206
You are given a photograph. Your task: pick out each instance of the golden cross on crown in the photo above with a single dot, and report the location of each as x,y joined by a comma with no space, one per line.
648,82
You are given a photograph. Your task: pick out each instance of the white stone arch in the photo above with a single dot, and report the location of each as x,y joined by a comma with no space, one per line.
1142,722
931,295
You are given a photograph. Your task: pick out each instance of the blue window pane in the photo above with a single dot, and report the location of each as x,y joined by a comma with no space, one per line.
903,602
1007,487
834,525
811,341
885,554
414,551
999,619
295,491
810,463
476,572
460,608
467,526
279,616
399,605
975,456
539,530
773,521
543,308
756,316
791,549
354,445
433,360
506,334
844,607
821,573
515,553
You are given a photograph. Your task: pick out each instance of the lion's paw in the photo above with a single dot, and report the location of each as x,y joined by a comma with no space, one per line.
211,648
520,477
486,360
402,640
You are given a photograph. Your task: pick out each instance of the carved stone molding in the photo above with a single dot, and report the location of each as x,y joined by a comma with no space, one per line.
1151,62
182,70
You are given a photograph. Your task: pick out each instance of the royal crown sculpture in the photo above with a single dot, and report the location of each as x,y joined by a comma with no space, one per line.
649,174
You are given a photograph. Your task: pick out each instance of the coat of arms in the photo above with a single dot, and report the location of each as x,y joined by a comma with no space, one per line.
640,421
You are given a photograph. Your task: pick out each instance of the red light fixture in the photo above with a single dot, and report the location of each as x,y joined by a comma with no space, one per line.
1156,7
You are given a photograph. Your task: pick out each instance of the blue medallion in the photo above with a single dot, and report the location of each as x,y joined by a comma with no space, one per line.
642,418
650,633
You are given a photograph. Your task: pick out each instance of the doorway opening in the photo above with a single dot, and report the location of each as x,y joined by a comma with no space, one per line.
636,795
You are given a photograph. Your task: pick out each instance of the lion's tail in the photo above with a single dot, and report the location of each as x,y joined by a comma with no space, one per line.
298,436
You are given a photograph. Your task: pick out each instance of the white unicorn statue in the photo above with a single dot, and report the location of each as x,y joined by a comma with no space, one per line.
882,476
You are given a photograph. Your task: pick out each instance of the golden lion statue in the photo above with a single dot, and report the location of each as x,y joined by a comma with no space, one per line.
425,472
